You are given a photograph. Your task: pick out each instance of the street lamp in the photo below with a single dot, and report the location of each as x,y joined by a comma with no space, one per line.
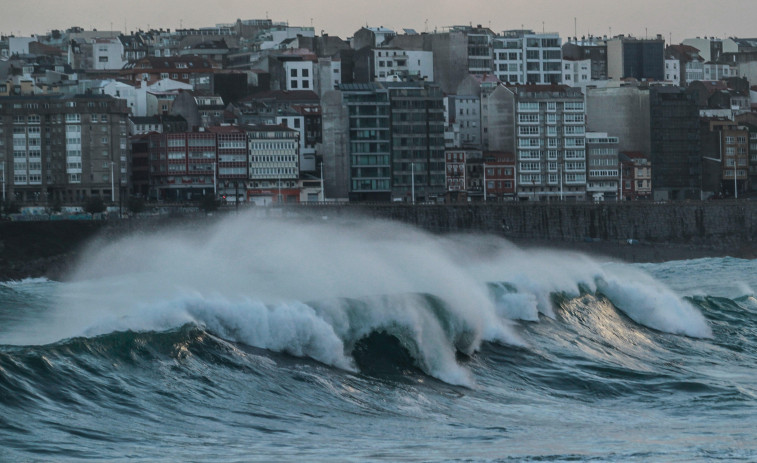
412,180
484,164
112,184
323,192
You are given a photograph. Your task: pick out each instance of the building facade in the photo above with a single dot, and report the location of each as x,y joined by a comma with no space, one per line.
59,149
675,144
550,142
524,57
642,59
417,133
273,164
602,167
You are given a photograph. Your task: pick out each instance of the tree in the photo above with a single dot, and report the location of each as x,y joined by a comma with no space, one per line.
94,205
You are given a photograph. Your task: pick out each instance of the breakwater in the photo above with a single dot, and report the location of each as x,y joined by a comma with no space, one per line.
661,231
706,223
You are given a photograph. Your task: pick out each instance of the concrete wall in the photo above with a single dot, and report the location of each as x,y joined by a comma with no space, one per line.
712,223
622,112
335,145
500,120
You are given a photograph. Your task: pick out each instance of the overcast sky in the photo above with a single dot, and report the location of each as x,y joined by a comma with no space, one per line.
678,19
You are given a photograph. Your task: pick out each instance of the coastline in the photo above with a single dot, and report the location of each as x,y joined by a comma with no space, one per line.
643,252
51,249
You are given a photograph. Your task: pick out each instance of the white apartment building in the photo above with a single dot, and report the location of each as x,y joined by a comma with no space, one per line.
107,53
673,71
603,173
522,56
576,73
463,114
390,62
550,142
299,75
715,71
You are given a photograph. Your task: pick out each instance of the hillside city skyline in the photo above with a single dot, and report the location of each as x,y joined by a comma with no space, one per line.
675,20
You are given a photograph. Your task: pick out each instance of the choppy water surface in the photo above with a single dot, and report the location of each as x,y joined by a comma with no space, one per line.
264,340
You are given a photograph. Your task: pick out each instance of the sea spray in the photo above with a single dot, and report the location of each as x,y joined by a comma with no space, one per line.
316,288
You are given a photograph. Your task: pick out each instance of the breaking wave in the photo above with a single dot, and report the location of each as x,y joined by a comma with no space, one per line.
328,291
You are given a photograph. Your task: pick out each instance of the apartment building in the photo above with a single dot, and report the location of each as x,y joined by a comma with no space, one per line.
550,142
602,181
273,164
525,57
67,149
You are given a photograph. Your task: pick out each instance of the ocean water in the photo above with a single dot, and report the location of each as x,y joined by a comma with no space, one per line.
297,340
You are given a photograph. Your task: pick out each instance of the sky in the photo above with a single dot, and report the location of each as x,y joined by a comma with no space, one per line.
673,19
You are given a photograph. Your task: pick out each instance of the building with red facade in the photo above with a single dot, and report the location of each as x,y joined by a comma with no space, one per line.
183,165
499,176
635,175
232,162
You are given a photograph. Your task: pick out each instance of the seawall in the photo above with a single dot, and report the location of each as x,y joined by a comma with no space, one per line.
659,231
710,222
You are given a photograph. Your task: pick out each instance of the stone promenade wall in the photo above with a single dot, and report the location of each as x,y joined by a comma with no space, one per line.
710,223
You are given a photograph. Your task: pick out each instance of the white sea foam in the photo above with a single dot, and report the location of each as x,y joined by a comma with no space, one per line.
24,282
650,303
316,288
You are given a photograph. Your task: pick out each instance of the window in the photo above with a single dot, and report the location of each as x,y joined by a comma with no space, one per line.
293,73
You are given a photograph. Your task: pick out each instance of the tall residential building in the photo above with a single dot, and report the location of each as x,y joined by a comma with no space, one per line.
417,123
524,57
273,164
183,165
55,148
232,163
550,142
369,174
602,166
642,59
384,141
479,48
675,144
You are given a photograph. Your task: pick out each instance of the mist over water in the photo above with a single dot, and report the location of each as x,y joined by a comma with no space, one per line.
300,339
315,288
